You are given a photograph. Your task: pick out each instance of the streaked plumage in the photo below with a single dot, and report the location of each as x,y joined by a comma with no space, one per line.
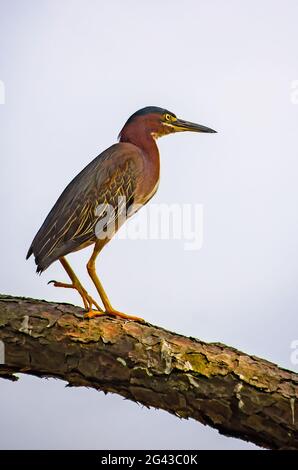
127,169
71,222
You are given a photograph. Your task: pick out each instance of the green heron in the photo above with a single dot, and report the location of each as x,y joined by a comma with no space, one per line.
128,169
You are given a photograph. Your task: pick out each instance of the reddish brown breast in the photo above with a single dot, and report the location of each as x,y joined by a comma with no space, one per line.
147,159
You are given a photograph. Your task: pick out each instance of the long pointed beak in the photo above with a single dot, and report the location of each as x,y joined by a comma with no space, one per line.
180,125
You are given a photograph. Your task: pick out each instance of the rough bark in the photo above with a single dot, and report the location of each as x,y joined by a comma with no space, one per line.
240,395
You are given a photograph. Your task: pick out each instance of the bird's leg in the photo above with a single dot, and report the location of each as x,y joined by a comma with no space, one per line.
61,284
87,299
70,286
109,310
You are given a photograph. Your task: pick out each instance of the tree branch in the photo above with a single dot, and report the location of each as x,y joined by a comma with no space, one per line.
240,395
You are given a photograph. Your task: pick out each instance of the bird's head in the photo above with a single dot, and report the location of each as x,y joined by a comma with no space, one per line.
159,122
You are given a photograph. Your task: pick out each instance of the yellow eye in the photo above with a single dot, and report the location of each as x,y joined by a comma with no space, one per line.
168,117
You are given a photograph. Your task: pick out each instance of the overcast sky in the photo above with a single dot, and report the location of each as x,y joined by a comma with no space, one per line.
73,71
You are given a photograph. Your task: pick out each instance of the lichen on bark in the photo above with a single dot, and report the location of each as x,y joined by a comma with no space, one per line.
238,394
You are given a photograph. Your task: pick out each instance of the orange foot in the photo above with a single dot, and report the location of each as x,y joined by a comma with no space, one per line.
114,313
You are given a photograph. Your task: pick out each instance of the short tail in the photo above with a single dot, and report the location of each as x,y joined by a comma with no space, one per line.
30,252
41,264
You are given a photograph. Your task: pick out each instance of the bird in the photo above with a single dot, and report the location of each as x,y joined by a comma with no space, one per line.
88,211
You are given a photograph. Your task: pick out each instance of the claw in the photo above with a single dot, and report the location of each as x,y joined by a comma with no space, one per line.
93,313
99,313
115,313
87,299
61,284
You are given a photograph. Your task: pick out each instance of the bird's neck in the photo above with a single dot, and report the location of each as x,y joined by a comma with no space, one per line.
144,140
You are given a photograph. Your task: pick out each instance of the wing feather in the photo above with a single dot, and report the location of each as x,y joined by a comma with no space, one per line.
71,222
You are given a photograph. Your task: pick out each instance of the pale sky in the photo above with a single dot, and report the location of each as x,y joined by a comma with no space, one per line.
74,70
